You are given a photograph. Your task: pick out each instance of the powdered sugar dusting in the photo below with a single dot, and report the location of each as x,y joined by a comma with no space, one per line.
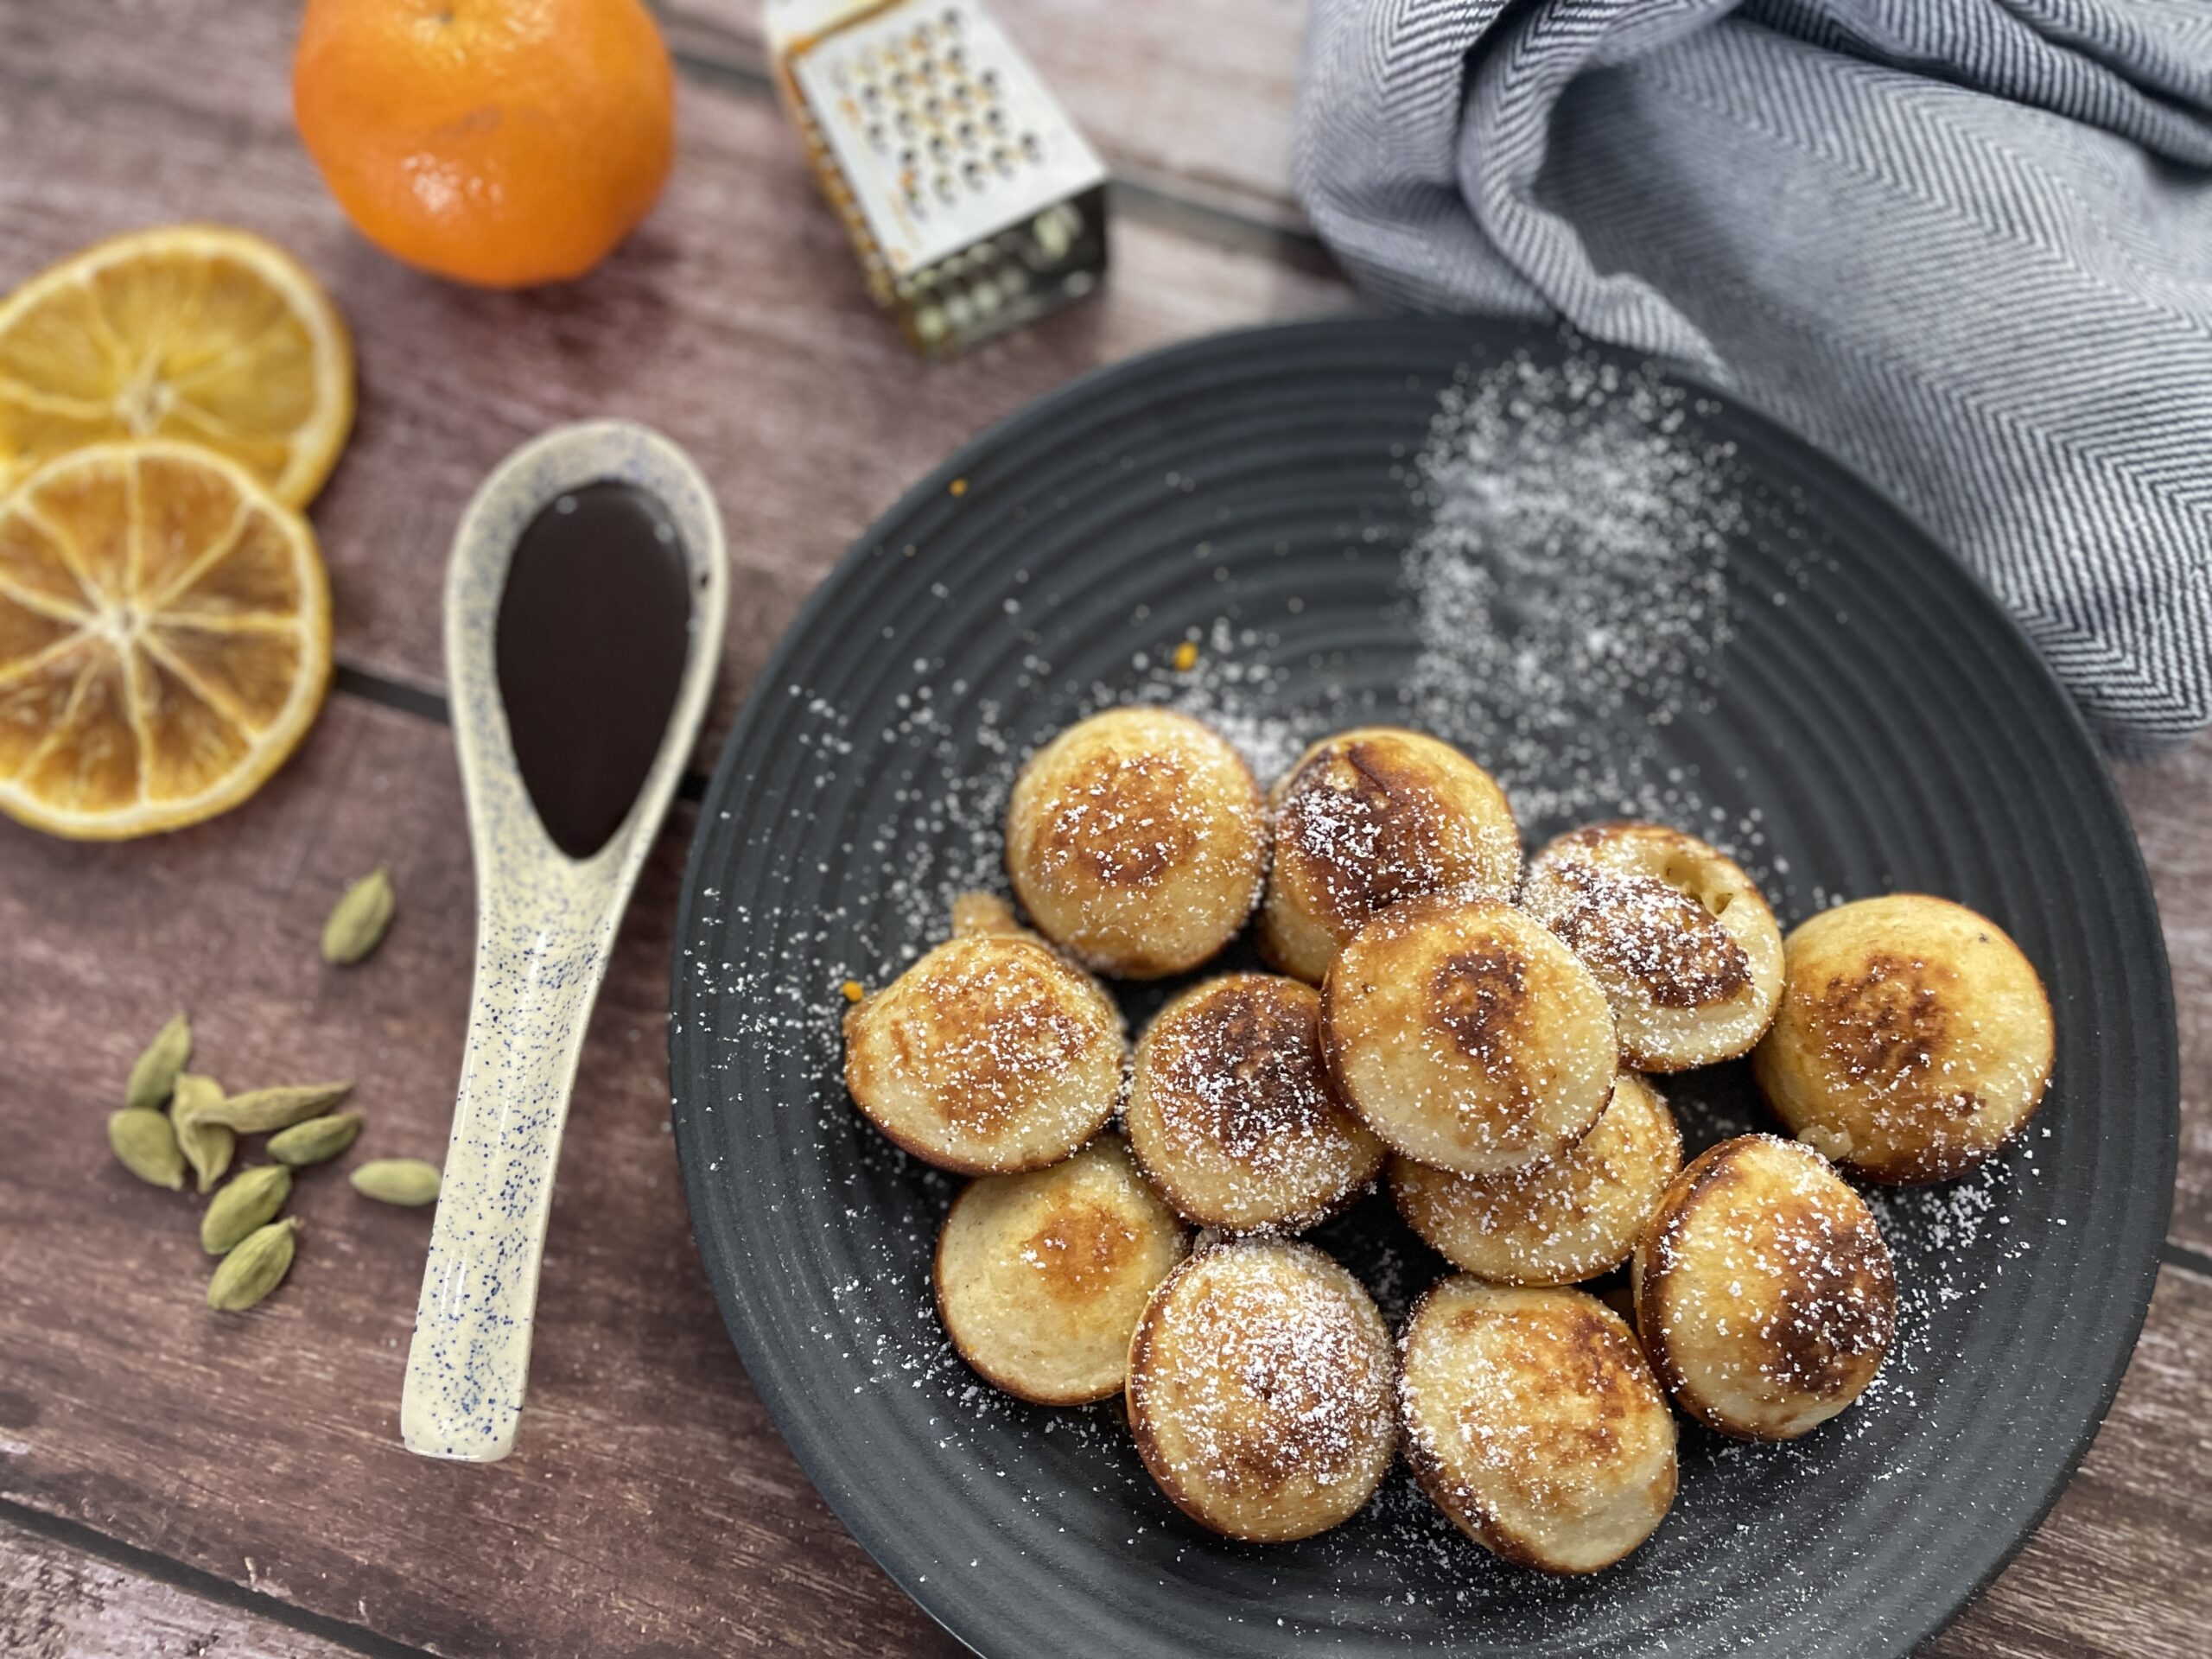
1231,1116
1566,598
1570,589
1260,1382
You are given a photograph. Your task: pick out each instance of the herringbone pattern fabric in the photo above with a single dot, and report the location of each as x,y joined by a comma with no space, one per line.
1967,245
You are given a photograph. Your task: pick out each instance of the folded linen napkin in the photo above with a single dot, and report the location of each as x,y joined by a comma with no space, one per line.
1966,245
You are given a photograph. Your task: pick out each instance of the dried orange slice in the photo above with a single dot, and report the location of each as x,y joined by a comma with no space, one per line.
164,640
189,331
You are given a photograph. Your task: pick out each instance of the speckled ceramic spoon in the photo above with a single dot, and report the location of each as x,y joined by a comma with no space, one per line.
546,918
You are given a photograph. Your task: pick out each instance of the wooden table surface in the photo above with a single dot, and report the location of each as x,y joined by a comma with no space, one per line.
173,1483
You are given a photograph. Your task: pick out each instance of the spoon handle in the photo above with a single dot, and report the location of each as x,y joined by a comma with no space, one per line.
535,979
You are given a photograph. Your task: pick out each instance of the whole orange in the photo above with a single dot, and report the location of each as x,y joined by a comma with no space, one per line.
499,141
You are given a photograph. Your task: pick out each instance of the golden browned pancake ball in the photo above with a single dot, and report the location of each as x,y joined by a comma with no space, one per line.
991,1054
1231,1113
1260,1390
1137,840
1368,817
1763,1291
1466,1036
1532,1421
1684,943
1914,1039
1041,1277
1570,1218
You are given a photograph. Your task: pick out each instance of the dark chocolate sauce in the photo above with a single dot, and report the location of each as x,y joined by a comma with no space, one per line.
593,626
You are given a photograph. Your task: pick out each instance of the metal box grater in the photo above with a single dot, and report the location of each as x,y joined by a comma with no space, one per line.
971,198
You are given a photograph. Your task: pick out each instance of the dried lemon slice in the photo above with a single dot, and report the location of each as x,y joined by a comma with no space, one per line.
193,331
164,640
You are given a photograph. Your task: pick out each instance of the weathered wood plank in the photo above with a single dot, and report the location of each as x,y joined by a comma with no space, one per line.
650,1507
1195,96
58,1603
733,320
649,1502
2171,801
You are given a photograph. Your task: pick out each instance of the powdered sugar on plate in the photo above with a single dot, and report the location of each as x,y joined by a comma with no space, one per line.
1570,590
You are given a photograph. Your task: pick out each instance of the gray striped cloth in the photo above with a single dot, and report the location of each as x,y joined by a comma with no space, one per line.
1966,245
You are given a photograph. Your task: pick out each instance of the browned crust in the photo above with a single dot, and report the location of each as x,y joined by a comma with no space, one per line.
1885,1018
1148,785
1709,1169
1004,1385
1392,797
1478,998
1462,1506
1673,1155
1155,1460
1149,1451
1253,1037
1855,1272
1242,1021
1644,928
953,1334
936,1160
1458,1504
1481,998
1113,863
857,1085
1332,1042
1682,958
1663,1231
1933,1166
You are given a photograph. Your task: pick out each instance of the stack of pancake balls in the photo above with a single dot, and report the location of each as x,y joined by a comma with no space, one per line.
1479,1034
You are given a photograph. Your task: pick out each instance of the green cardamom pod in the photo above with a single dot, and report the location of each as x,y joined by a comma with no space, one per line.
250,1201
356,926
316,1140
155,1073
146,1146
254,1269
259,1110
207,1146
397,1180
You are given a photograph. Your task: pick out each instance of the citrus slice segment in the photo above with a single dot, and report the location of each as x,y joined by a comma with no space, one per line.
193,331
164,640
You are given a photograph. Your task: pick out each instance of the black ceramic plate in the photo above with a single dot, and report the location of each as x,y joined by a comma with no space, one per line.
1745,638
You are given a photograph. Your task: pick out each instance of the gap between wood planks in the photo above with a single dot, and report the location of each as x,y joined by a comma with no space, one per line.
207,1586
1146,201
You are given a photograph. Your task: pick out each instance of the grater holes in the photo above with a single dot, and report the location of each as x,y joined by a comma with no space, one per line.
944,123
